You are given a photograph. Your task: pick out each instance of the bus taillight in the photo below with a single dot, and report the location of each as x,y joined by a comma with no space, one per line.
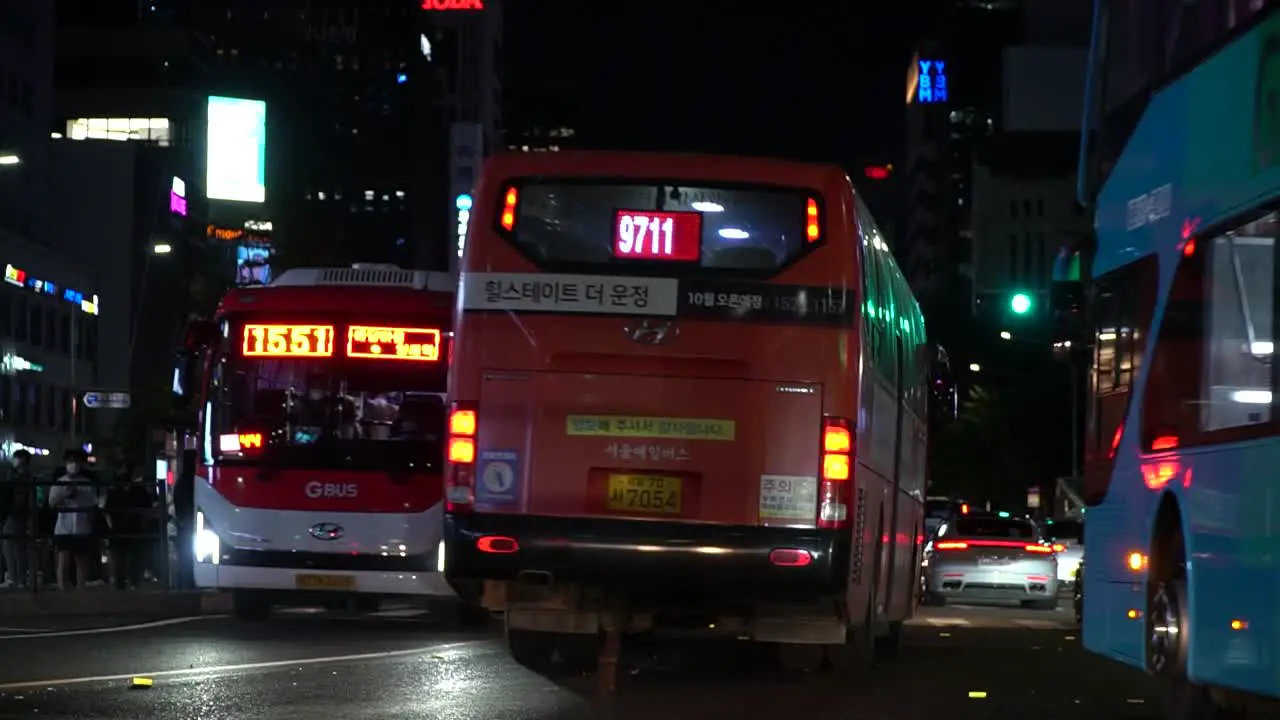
837,472
509,202
813,224
459,489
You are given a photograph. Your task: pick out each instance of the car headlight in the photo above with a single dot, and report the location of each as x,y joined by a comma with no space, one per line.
208,548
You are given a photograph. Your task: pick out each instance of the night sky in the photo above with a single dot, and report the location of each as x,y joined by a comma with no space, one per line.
818,80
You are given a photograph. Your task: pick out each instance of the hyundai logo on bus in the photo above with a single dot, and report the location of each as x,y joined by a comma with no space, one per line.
326,531
99,400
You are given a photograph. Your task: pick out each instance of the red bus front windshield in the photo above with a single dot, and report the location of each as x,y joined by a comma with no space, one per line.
354,413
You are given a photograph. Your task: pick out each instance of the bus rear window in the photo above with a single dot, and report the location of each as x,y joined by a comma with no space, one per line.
620,227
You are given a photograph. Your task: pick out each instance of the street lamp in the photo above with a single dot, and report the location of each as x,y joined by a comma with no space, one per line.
162,248
1006,335
9,158
1020,303
975,367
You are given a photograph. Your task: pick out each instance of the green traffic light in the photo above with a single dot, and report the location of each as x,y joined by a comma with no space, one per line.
1020,304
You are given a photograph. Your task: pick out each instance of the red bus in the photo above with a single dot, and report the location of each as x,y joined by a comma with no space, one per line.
322,438
692,384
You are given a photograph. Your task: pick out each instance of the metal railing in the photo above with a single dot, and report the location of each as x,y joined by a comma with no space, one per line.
29,542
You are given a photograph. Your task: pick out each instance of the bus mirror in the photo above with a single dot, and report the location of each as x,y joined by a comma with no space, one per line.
185,376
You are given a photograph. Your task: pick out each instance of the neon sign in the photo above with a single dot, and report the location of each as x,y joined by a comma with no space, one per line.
932,83
392,343
452,4
178,197
20,278
287,341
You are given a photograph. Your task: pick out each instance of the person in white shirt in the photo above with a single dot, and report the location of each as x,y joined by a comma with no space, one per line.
76,502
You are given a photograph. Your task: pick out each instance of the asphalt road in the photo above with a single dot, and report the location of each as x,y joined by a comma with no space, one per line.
956,662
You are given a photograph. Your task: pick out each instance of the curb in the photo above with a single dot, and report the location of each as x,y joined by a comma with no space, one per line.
113,602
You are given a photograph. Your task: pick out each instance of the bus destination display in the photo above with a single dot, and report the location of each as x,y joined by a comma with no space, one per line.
287,341
393,343
652,235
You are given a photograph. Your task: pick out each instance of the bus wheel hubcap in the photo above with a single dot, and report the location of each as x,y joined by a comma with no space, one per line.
1165,627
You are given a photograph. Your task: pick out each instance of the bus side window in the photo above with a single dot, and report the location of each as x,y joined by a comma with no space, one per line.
1213,378
1122,309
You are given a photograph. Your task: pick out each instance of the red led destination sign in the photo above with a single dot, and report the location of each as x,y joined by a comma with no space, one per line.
452,4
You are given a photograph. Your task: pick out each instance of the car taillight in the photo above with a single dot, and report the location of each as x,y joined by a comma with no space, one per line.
950,545
1059,547
1038,549
459,491
510,201
813,222
835,492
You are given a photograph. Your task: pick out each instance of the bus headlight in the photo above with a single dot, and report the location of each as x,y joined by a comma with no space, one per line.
208,548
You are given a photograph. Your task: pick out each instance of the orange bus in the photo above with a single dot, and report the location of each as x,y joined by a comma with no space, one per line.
690,386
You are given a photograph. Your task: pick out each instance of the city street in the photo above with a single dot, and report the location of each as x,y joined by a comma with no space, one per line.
962,662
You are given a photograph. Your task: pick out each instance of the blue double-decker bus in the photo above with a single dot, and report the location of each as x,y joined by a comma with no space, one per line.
1181,165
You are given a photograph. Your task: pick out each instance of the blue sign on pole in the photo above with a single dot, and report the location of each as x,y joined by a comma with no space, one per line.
933,82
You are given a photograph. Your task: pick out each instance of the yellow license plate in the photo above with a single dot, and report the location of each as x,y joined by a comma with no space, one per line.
644,493
326,582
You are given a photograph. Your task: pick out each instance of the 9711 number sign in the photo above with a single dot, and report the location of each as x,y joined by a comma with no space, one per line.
657,235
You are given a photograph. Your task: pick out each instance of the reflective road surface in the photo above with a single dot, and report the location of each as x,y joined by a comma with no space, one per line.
956,662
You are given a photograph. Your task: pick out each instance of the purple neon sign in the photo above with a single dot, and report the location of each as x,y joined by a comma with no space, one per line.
178,197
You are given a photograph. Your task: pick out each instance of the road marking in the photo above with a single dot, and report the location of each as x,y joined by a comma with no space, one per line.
948,622
407,613
111,629
222,669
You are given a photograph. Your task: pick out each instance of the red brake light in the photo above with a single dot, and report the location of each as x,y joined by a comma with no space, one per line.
950,545
1039,549
789,557
813,224
1059,547
1115,441
835,491
497,545
964,508
1164,442
509,203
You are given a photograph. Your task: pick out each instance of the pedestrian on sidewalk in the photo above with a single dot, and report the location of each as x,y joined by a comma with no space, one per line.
76,502
16,501
128,508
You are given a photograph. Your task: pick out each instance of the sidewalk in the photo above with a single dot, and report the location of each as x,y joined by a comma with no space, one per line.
15,603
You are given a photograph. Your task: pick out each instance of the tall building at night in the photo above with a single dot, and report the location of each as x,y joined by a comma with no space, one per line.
369,106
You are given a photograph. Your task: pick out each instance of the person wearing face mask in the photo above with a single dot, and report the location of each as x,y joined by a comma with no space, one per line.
15,508
76,502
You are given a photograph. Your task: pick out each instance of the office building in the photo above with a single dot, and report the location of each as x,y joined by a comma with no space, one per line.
50,308
378,114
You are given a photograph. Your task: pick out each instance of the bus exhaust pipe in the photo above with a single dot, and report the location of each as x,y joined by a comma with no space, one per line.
536,578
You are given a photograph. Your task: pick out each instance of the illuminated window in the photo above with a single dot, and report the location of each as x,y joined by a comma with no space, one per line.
152,130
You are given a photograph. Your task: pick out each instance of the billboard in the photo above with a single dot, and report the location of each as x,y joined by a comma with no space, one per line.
237,150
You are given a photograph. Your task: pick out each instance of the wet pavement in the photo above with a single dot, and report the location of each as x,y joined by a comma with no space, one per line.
956,662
